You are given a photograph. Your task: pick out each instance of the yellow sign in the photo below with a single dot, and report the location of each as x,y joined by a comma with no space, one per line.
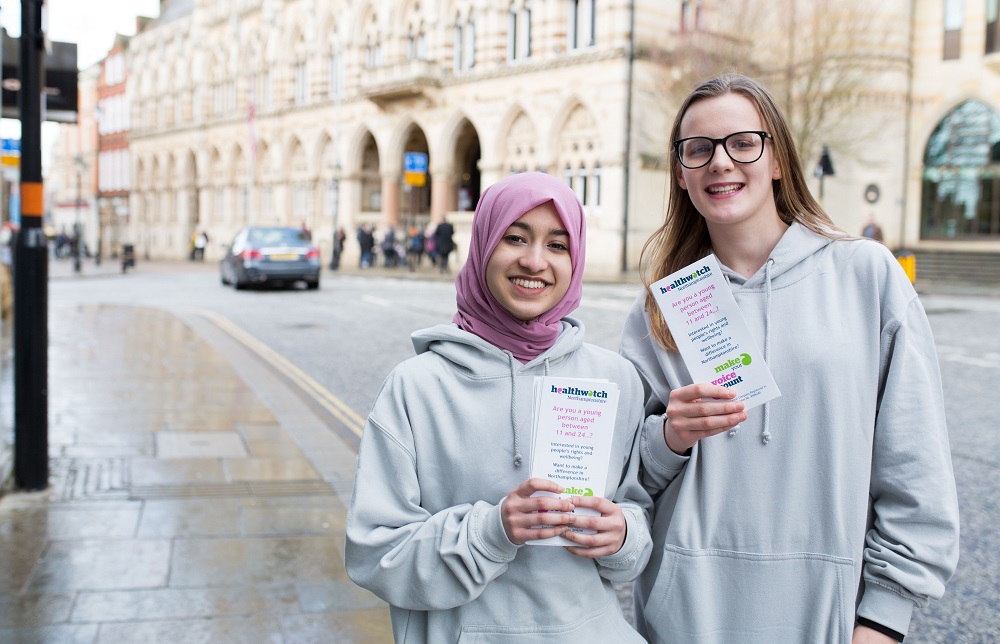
418,179
12,161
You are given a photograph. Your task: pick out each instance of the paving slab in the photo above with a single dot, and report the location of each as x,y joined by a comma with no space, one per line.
194,496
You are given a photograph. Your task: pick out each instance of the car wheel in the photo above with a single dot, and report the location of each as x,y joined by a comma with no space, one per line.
312,286
225,282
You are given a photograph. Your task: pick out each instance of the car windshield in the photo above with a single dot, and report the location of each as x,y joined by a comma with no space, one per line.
261,237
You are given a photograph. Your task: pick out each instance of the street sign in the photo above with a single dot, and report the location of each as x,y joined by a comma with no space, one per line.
415,168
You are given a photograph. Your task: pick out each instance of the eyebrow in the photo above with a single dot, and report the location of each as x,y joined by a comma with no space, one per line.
523,226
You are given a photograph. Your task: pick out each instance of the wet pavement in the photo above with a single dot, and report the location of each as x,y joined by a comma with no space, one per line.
194,496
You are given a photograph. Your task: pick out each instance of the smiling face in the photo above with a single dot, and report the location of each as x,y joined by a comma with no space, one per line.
530,269
726,192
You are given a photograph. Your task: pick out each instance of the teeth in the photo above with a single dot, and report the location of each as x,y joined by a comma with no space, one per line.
528,283
725,190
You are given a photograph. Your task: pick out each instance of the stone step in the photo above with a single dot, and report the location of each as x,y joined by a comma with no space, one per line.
973,268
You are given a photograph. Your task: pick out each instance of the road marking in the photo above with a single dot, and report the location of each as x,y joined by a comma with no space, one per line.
957,354
371,299
337,408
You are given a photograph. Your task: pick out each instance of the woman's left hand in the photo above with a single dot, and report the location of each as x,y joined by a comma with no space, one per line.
610,526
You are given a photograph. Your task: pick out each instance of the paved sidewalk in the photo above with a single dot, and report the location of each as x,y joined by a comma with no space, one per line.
194,496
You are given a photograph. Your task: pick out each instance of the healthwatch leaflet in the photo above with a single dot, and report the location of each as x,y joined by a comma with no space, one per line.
572,431
711,333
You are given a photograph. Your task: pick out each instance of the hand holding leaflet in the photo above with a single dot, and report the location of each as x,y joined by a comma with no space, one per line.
572,430
711,334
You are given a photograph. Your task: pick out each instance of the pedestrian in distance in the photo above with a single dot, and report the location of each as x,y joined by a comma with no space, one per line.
338,248
444,244
872,230
830,513
200,243
442,505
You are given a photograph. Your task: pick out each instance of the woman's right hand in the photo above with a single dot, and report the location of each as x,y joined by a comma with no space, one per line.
690,417
521,512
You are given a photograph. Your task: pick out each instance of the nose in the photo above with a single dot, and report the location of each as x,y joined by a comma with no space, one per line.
533,257
721,160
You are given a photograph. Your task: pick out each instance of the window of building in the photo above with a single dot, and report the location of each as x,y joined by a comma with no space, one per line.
581,184
685,15
512,34
961,178
333,76
582,28
470,44
992,26
596,180
568,175
301,75
464,46
519,32
953,19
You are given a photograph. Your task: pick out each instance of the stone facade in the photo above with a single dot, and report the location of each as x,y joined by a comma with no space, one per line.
340,91
300,112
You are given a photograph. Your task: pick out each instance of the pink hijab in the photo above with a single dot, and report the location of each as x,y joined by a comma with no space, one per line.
502,204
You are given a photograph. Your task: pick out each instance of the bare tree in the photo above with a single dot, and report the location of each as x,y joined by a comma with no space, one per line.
827,63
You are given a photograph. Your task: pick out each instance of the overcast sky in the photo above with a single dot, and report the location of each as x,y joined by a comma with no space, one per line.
91,24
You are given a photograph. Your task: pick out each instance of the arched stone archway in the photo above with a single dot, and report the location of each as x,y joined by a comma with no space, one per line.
961,179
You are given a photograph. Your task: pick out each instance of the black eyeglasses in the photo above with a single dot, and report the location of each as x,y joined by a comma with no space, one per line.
742,147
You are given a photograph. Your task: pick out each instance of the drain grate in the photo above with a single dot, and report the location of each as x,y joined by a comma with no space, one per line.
90,478
240,489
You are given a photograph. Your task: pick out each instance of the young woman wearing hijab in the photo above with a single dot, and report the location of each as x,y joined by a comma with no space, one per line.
442,503
829,514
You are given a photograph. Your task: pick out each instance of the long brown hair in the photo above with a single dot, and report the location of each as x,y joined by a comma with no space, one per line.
683,238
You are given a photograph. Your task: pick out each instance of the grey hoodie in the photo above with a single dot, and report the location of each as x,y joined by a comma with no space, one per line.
447,439
835,500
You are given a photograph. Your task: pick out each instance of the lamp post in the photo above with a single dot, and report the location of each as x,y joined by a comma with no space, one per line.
81,167
824,168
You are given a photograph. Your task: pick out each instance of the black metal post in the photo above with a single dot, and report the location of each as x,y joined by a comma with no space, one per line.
77,231
31,271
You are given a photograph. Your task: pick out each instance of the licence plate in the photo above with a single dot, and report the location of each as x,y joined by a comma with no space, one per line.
283,257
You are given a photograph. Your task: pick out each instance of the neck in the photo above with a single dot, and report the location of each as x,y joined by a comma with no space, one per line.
744,249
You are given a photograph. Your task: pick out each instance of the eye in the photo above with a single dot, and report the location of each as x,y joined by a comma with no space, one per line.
559,246
513,238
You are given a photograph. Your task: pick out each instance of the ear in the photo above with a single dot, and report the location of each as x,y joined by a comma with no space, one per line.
679,171
777,171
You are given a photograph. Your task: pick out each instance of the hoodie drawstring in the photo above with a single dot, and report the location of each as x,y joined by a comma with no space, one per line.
518,458
765,435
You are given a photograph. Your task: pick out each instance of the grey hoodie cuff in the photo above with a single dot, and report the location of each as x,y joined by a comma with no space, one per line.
886,606
489,533
655,452
635,541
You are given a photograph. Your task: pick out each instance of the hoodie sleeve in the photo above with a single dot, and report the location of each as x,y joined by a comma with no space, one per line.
633,499
404,554
660,465
911,549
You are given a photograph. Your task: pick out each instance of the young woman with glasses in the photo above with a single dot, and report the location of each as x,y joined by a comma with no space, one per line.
829,513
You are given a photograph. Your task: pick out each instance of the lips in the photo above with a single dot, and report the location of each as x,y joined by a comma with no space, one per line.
526,283
726,189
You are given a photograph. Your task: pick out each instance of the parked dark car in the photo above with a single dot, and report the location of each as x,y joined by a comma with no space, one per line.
261,255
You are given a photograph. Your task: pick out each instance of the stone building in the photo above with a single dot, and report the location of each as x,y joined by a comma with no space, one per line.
303,111
265,112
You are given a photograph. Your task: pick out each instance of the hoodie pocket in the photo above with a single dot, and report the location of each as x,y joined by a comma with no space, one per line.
606,626
721,596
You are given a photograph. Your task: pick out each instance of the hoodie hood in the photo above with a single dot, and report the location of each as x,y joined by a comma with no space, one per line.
788,261
469,351
472,354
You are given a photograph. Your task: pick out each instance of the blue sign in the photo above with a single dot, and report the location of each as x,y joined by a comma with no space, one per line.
415,162
11,146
